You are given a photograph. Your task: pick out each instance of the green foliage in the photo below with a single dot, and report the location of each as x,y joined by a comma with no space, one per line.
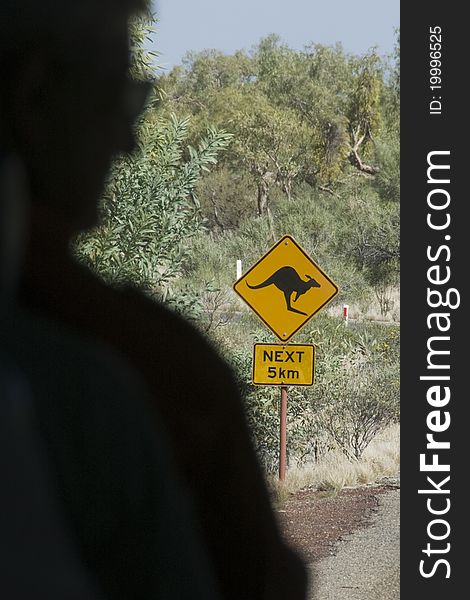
226,198
387,180
150,210
368,236
364,108
235,151
357,400
315,220
354,397
310,116
392,91
143,61
322,128
357,386
262,410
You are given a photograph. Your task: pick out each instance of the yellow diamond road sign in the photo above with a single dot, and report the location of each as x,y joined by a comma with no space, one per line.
277,364
285,288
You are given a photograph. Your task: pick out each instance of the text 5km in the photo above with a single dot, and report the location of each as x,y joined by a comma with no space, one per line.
291,364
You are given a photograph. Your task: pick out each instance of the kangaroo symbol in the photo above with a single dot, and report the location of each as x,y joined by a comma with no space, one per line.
288,281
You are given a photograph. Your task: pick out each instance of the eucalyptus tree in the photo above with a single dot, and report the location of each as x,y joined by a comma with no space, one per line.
150,209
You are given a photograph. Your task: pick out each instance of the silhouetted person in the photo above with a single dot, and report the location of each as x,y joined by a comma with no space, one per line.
90,504
66,99
38,556
102,503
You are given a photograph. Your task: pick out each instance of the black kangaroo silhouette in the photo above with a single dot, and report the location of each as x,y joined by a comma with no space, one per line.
288,281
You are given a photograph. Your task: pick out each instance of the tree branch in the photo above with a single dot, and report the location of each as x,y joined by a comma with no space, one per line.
328,190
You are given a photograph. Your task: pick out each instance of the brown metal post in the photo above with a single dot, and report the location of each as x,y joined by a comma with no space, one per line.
282,447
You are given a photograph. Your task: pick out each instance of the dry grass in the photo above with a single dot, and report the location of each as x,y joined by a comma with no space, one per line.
334,471
370,310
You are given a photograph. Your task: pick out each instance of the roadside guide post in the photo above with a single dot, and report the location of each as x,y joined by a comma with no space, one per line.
285,289
239,268
345,313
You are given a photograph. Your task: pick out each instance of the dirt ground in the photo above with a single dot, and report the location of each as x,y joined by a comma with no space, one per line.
314,521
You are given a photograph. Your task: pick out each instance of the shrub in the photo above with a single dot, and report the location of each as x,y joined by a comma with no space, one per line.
357,404
355,396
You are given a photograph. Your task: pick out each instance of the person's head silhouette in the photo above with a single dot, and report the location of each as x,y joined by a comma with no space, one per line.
67,103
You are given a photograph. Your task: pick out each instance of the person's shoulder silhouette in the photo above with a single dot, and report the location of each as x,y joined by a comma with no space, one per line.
91,503
64,98
34,535
114,476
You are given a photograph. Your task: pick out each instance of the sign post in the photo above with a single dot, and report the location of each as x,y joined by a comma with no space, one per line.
283,435
285,288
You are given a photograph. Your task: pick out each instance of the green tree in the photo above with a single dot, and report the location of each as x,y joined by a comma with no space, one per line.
150,209
368,237
364,116
356,406
316,84
323,105
271,143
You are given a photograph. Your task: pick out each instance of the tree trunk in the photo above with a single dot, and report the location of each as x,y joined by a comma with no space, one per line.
354,157
356,161
287,189
263,197
216,213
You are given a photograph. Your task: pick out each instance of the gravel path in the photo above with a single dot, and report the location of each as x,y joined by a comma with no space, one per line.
366,563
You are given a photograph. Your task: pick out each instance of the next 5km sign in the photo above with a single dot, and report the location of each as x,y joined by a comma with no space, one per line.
276,364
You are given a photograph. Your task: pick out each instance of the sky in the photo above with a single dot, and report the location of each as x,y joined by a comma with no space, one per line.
230,25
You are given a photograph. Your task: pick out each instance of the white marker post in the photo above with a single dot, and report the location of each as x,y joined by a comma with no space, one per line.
345,313
239,269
